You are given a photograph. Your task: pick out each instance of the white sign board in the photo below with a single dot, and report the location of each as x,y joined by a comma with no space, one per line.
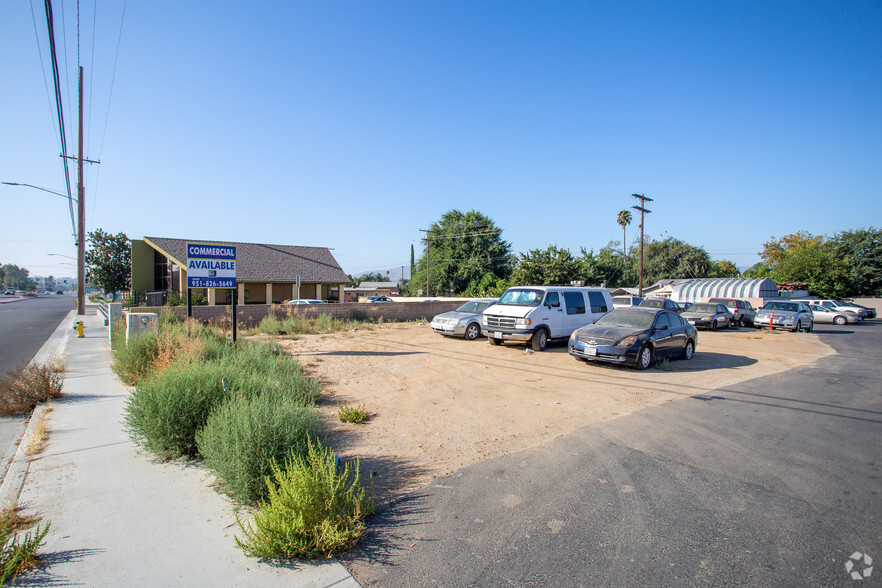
211,265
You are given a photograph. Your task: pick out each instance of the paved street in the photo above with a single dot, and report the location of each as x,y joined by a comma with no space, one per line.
774,481
24,327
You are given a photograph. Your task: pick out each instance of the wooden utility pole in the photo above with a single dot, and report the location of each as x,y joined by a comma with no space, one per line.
81,209
643,200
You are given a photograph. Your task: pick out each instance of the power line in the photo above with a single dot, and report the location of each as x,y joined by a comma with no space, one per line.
59,108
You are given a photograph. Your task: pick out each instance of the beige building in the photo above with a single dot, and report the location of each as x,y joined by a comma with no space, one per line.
265,274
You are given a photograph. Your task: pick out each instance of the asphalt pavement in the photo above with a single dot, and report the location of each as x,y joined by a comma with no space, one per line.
771,482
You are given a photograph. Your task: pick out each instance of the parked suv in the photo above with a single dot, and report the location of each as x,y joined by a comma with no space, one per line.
10,292
841,306
743,310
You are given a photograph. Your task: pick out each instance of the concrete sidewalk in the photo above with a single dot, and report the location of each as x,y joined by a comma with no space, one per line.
119,519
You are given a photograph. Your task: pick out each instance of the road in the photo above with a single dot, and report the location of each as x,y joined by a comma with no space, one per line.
24,327
774,481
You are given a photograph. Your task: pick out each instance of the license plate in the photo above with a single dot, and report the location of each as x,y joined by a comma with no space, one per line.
497,335
590,351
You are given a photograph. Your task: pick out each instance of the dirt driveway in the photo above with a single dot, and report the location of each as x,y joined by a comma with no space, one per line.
440,403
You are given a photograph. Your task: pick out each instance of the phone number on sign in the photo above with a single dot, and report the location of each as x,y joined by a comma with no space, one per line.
212,283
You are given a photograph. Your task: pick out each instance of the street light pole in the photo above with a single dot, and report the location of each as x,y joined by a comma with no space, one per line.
81,214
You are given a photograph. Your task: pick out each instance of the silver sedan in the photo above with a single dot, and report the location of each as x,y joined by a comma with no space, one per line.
465,321
822,314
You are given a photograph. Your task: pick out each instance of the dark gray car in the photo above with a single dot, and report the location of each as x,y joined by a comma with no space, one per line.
708,316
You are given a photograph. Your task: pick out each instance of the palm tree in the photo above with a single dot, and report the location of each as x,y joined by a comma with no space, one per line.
624,219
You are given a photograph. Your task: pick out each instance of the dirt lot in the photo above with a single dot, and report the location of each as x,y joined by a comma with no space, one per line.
439,403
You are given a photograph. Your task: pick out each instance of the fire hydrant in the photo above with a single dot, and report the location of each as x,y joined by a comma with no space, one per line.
80,327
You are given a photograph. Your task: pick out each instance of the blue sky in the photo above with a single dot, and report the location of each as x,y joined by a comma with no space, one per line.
352,125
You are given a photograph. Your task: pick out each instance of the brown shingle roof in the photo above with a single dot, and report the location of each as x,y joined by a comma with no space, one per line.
256,262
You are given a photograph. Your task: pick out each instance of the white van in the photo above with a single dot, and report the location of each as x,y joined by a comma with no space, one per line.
539,313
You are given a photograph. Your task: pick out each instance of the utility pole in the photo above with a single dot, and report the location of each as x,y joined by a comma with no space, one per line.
81,209
642,208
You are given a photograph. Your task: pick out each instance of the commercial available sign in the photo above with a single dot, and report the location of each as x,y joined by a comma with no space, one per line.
211,265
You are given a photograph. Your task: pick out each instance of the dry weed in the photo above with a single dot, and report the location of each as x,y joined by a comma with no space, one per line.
12,519
56,364
25,386
40,435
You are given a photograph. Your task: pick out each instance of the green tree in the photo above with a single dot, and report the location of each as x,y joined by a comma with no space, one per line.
624,219
545,266
463,251
607,266
673,259
860,251
412,261
14,276
368,277
757,270
809,259
723,269
109,261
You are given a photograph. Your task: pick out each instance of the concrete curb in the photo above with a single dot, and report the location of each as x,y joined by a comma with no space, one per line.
17,472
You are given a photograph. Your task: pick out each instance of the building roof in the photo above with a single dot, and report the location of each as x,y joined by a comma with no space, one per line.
695,290
379,285
257,262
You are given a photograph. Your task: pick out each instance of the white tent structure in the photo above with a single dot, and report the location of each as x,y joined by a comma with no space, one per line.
701,289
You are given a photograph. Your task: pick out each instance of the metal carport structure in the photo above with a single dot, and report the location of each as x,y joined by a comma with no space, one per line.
703,288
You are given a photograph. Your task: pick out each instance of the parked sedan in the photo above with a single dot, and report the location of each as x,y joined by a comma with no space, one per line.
373,299
795,316
665,303
634,337
871,312
305,301
822,314
708,315
465,321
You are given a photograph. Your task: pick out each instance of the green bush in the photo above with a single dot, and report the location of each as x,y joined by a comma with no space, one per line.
164,412
245,437
133,361
17,554
315,508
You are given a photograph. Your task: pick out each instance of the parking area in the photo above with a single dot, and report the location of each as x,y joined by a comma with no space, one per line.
441,403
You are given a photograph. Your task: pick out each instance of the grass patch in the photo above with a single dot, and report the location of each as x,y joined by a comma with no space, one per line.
315,509
245,437
26,385
352,414
292,325
17,553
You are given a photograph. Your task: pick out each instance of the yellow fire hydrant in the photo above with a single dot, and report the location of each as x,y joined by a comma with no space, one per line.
80,327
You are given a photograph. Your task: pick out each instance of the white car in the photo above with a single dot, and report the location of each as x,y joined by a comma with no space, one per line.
306,301
465,321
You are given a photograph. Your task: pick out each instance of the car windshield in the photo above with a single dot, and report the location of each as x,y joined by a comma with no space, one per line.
634,319
522,297
703,307
786,306
623,300
475,306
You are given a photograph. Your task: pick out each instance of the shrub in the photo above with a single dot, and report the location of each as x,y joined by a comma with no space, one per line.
164,412
133,361
28,384
314,508
17,555
245,437
352,414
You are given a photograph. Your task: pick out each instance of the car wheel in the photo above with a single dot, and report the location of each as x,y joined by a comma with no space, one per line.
808,329
644,357
495,341
740,322
689,349
714,326
798,327
840,320
539,340
472,332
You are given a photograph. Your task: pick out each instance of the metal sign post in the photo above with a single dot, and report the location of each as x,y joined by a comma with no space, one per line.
297,278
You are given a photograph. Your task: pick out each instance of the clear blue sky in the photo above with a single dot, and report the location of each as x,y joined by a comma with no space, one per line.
352,125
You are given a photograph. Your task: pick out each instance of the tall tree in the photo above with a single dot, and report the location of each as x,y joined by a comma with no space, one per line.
15,276
861,253
464,250
624,219
109,261
540,267
672,259
723,269
809,259
412,262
